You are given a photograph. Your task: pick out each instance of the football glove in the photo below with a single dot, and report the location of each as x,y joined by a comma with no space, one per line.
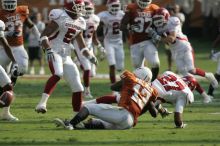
93,59
14,70
50,54
102,52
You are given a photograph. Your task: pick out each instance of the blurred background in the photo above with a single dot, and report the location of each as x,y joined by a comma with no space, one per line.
202,16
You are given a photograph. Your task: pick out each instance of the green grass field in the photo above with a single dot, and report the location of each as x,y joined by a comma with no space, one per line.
34,129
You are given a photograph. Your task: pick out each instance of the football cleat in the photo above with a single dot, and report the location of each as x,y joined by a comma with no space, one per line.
182,126
212,55
80,126
9,117
41,109
208,99
88,95
165,113
65,124
210,76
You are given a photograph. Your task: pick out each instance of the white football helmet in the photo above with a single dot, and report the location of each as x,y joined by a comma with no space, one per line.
143,3
161,17
9,5
114,6
76,7
89,7
143,73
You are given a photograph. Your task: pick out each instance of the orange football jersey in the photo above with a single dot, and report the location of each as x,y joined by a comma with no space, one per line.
135,94
14,23
142,20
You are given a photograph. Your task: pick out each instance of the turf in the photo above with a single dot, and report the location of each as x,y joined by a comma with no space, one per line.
33,129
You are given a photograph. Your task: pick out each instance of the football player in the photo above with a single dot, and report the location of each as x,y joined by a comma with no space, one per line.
135,95
90,37
170,30
113,43
14,18
5,81
215,56
138,17
65,26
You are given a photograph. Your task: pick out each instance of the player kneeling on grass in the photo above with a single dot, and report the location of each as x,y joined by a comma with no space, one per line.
135,94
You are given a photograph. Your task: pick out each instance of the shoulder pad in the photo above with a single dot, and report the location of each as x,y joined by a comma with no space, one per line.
55,14
23,10
82,22
2,25
101,14
174,21
96,18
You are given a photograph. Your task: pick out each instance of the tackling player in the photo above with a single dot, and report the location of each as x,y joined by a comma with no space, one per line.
113,43
138,17
66,25
135,95
5,81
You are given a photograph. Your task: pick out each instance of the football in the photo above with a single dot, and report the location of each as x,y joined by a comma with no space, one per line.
6,99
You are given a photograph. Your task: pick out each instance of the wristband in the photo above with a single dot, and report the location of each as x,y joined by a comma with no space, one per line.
44,38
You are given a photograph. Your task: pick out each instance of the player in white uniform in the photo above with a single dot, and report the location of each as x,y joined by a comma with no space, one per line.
5,81
174,90
65,26
170,30
90,37
113,43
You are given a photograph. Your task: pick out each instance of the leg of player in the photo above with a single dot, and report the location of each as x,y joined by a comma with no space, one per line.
211,88
208,75
112,75
86,79
72,76
56,68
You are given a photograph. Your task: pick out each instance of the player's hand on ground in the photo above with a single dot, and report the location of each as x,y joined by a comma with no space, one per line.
208,99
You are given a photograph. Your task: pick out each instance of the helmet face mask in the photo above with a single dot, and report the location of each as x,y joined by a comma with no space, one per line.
143,3
89,8
9,5
161,17
114,6
75,7
143,73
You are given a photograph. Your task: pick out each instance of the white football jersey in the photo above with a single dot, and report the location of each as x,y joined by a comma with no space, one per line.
2,28
68,29
173,25
92,24
111,25
170,86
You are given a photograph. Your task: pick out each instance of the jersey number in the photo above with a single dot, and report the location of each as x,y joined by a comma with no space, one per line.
69,35
89,32
15,26
170,82
143,23
141,95
116,28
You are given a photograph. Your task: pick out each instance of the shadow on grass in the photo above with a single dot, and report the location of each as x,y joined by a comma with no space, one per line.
74,141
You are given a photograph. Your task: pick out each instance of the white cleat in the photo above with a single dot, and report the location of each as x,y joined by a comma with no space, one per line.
42,71
212,79
65,124
208,99
9,117
88,95
40,108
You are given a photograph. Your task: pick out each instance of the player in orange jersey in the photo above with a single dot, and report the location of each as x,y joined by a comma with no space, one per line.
138,18
14,18
135,94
